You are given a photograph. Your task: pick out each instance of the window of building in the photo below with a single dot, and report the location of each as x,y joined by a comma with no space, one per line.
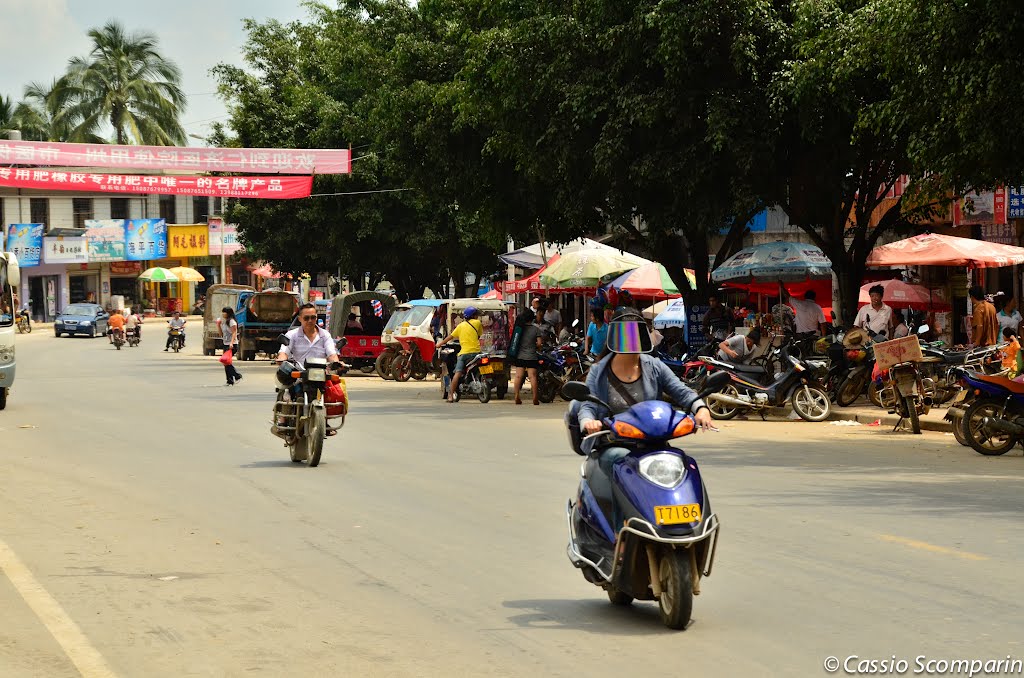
39,210
200,209
218,206
81,209
167,209
119,208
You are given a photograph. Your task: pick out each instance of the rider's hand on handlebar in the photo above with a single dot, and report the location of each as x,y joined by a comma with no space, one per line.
593,426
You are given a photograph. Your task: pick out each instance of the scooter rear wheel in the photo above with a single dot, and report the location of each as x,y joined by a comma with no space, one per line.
720,410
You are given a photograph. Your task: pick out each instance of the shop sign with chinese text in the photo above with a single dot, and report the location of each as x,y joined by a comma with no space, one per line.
188,241
26,242
281,187
66,250
147,239
258,160
106,239
223,233
1016,202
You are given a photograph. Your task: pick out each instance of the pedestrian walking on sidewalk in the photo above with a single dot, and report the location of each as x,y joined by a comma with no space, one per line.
229,333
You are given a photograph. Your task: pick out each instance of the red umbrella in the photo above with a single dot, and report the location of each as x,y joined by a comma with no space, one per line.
899,294
265,271
945,250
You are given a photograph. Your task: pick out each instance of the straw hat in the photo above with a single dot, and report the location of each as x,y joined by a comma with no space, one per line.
856,338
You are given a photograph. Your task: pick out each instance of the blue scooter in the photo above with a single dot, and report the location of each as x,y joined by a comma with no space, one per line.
649,532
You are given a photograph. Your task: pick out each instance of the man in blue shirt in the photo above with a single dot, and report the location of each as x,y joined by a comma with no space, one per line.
597,333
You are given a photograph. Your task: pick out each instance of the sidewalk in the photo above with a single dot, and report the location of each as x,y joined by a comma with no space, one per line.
866,413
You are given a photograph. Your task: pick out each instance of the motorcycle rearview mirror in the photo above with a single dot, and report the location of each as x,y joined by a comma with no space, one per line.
283,339
923,329
342,342
575,323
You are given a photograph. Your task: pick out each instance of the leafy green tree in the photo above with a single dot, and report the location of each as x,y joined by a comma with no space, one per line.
125,83
41,115
6,114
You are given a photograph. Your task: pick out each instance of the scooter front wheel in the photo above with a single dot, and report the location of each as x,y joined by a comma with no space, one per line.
676,579
811,403
910,405
317,433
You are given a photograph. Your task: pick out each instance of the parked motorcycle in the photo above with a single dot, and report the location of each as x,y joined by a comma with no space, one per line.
648,532
994,422
905,392
800,384
24,325
476,381
300,412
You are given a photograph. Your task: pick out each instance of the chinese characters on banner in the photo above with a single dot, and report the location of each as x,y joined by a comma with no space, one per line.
1016,201
146,239
188,241
986,208
106,239
1005,234
271,160
26,242
65,250
280,188
125,268
222,233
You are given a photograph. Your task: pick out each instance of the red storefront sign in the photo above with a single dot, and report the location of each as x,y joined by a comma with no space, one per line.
258,160
125,267
278,187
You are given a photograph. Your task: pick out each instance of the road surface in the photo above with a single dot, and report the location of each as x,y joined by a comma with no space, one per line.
151,526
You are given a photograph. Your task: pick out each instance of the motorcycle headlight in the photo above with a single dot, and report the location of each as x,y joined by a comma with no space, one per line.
317,374
666,470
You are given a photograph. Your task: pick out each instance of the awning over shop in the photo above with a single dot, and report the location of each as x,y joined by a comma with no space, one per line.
945,250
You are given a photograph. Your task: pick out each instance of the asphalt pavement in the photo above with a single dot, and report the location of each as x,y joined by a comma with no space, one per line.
150,525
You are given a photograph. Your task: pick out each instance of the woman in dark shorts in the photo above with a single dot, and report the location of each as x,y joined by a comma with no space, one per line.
526,360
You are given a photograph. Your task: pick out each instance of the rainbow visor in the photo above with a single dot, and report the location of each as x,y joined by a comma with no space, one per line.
628,336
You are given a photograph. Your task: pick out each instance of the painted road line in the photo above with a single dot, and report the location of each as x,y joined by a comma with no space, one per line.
76,646
934,548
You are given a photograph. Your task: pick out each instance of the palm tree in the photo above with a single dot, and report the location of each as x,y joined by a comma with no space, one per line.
6,114
126,83
41,114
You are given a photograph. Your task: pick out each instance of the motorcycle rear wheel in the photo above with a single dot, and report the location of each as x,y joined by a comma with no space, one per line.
485,391
874,394
720,410
910,407
960,432
676,600
982,442
548,389
850,390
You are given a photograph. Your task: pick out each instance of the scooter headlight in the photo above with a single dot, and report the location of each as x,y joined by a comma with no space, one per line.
666,470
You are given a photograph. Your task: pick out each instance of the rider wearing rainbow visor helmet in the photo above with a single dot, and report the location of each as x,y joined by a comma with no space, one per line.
468,332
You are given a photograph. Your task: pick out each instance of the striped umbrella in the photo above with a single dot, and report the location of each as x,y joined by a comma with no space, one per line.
651,281
158,275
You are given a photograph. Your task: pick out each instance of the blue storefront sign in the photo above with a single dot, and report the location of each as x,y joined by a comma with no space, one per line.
1015,210
26,242
146,239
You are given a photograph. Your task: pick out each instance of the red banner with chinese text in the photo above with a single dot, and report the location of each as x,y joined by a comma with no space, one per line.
277,187
257,160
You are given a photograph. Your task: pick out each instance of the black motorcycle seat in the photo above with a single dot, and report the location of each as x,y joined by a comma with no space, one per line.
948,356
749,369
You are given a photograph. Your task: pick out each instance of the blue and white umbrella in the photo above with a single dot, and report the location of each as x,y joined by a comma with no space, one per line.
674,315
774,262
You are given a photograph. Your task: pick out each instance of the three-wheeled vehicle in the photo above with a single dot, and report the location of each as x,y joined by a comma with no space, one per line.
497,318
10,278
363,347
387,339
217,298
417,337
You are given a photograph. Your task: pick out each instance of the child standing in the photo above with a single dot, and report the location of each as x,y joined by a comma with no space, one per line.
1011,352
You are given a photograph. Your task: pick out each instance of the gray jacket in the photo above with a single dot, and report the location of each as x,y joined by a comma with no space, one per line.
657,378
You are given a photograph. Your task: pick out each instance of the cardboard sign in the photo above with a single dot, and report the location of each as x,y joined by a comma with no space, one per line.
896,351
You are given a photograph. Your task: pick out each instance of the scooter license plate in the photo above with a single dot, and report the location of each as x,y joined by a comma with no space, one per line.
486,369
677,515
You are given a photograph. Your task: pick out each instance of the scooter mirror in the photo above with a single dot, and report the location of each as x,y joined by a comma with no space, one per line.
575,390
923,329
575,323
283,340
